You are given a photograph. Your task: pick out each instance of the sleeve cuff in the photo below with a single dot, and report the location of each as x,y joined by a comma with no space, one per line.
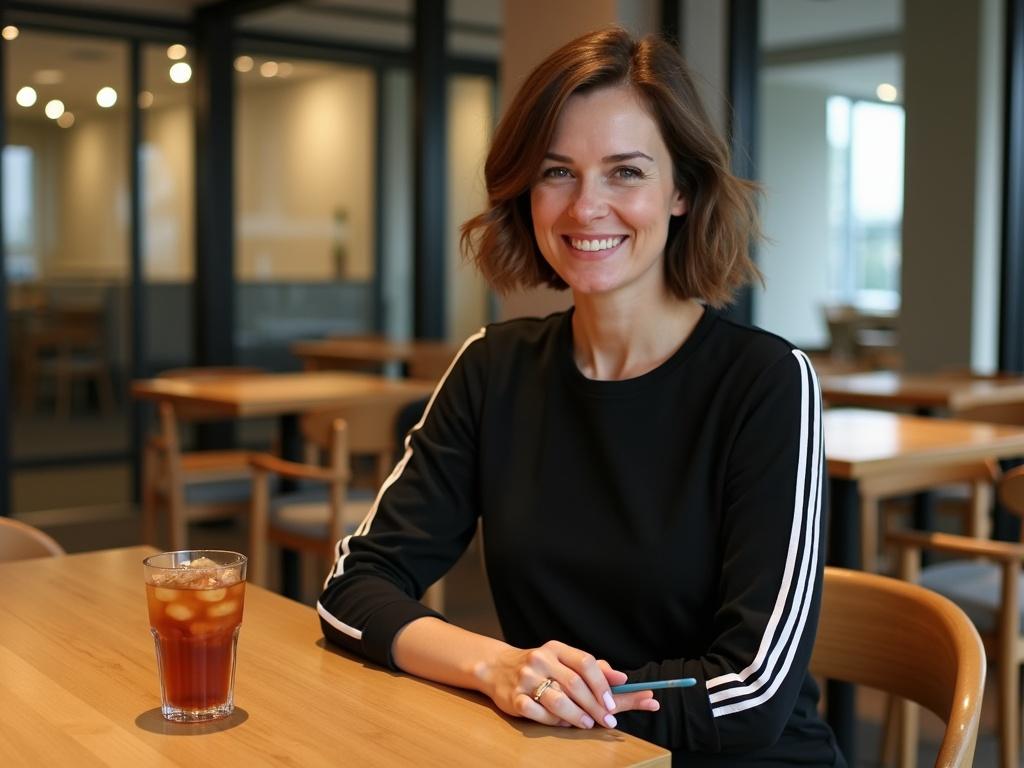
379,633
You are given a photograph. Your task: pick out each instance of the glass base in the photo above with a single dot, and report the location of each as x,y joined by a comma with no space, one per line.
178,715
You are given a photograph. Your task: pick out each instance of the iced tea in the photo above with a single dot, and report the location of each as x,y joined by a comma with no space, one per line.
195,612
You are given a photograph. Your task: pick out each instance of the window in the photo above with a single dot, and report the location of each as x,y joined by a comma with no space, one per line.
865,187
19,221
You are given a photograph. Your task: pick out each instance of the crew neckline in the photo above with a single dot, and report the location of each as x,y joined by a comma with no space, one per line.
626,387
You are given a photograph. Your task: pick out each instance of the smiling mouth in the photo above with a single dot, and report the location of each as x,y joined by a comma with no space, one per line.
594,244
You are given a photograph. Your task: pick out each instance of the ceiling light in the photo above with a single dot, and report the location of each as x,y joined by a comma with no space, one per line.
66,120
886,92
48,77
181,72
145,99
26,96
285,69
176,51
268,68
54,108
243,64
10,32
106,97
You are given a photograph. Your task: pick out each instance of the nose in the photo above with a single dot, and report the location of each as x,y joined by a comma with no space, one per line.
588,202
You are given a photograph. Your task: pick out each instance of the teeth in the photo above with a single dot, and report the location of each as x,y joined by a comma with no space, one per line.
595,245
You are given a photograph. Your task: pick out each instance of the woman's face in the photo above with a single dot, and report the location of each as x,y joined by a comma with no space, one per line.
604,195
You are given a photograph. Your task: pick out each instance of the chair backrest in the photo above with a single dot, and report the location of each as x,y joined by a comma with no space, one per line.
1011,491
20,541
906,640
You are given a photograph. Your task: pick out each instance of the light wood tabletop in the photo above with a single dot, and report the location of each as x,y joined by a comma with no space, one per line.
275,394
78,686
888,389
859,443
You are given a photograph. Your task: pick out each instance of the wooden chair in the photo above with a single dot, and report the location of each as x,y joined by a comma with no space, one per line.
314,517
987,583
67,345
898,637
20,541
191,485
978,477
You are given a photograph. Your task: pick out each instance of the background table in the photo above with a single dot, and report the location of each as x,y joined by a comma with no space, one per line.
78,686
285,395
865,443
922,392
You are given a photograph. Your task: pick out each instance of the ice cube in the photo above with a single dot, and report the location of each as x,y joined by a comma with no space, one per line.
222,609
200,562
198,628
179,612
211,595
165,595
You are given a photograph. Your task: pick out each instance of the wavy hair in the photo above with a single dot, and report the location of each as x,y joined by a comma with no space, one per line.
707,251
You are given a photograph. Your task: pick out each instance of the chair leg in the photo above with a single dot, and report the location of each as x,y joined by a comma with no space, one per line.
909,719
889,743
869,533
1009,715
258,529
150,502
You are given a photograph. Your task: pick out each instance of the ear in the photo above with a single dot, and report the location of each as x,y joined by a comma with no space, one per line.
680,204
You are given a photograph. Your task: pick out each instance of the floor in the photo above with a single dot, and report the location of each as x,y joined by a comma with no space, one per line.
105,525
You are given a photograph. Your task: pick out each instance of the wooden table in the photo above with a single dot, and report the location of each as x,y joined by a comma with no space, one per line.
423,358
281,394
285,395
865,443
78,686
921,392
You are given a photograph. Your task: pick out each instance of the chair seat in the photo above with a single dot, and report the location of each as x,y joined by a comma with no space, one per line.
974,586
306,512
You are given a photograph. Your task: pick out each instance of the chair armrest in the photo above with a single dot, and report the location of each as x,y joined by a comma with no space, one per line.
961,545
269,463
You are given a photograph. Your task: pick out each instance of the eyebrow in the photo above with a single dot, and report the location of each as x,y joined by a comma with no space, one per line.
607,159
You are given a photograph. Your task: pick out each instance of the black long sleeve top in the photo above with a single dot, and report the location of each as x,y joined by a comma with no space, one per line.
670,523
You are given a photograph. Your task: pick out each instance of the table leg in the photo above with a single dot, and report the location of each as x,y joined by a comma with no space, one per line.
844,552
924,520
291,449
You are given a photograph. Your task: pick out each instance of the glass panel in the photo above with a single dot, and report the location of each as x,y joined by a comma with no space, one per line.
66,188
305,190
168,209
470,124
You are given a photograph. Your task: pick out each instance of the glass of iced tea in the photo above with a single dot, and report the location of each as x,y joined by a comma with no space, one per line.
195,611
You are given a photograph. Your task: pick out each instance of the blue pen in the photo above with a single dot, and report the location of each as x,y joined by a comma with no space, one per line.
653,685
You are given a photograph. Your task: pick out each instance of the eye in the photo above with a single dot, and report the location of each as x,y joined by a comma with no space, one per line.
628,173
556,172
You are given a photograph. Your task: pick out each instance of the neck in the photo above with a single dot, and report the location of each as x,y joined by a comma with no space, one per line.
613,341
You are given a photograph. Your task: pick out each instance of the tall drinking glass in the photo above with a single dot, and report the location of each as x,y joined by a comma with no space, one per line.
195,611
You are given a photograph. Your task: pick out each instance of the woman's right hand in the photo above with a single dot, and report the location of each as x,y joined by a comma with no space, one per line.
580,694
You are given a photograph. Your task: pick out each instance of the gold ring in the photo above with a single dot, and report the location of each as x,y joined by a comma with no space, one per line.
539,690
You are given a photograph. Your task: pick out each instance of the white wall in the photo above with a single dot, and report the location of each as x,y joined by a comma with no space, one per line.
793,156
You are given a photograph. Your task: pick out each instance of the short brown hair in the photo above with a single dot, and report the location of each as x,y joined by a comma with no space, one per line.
707,251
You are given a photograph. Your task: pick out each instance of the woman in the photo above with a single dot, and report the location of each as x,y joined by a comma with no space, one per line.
648,473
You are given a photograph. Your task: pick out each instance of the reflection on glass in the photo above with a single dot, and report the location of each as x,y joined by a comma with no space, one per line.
66,258
305,217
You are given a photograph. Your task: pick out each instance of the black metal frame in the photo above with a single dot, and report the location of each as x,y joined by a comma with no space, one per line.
1011,314
5,343
744,65
431,121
